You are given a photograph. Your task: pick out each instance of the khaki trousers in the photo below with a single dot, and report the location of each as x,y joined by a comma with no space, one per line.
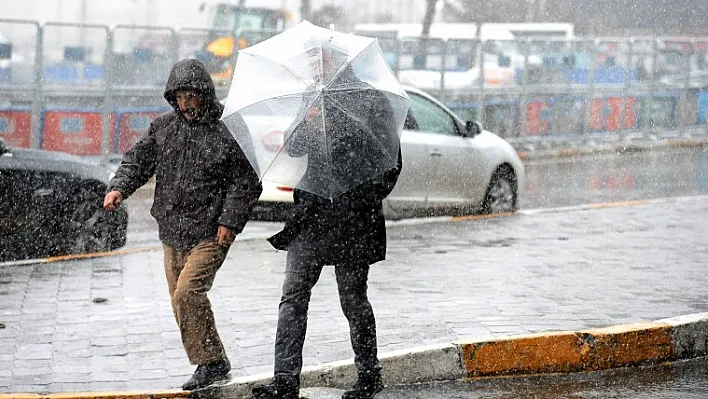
190,275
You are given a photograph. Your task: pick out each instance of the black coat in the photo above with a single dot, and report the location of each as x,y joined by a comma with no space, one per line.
350,227
202,177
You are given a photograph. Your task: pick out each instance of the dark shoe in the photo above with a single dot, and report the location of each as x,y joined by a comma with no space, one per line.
279,388
365,387
206,374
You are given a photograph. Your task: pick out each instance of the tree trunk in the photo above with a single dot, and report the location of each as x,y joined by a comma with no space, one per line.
305,10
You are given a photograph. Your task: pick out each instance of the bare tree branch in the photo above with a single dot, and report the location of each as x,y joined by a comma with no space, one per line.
305,10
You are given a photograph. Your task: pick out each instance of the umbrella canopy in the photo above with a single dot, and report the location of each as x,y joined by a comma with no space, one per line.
328,99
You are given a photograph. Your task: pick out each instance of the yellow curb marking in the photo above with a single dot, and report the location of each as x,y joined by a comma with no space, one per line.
99,254
619,204
628,345
570,351
475,217
685,144
101,395
568,152
552,352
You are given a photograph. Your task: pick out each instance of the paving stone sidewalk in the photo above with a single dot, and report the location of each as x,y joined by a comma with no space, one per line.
106,324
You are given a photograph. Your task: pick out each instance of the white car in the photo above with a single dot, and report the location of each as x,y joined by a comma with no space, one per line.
449,166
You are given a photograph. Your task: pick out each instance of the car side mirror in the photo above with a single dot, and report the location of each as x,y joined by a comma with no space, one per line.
473,128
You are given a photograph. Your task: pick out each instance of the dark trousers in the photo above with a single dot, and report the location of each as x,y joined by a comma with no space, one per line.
302,272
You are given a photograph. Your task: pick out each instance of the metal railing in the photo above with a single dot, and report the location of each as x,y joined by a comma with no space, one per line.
522,88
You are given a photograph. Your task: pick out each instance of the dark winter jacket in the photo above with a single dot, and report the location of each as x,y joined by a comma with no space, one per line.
349,227
202,178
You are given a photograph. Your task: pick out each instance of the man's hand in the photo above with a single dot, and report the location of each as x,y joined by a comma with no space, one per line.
112,200
225,236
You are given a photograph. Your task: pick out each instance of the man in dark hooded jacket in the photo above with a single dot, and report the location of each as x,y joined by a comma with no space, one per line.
204,191
347,231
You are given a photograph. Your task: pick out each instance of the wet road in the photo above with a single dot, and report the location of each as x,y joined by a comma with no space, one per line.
684,380
611,178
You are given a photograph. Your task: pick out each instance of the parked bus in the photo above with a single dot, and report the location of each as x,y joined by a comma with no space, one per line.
501,56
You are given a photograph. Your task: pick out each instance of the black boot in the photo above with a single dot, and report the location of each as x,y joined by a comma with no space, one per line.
365,387
206,374
280,388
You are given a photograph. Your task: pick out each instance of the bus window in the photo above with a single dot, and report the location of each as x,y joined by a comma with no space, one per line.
234,17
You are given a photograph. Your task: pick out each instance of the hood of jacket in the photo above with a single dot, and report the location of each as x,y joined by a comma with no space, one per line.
190,74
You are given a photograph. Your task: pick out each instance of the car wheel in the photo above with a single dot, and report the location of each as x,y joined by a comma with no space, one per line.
96,230
501,193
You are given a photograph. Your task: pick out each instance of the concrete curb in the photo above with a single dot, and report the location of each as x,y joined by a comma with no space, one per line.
671,339
101,395
676,338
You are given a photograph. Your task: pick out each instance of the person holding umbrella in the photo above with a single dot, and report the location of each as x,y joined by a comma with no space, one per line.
346,230
342,110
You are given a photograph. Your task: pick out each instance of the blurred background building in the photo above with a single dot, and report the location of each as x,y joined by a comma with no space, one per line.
195,13
597,17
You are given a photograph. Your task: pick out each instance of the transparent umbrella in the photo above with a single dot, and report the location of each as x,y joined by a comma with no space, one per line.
323,110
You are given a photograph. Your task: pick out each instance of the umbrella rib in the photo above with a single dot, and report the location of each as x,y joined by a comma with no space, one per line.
279,66
328,142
